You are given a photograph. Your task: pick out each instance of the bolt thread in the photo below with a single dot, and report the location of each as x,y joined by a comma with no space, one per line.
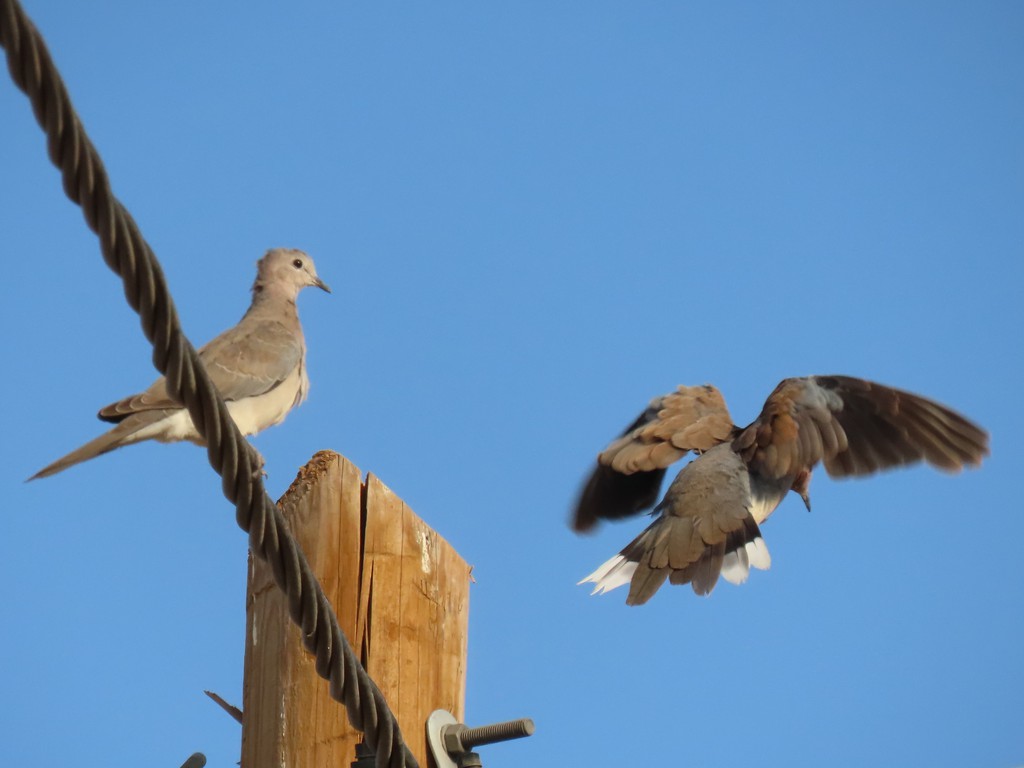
490,734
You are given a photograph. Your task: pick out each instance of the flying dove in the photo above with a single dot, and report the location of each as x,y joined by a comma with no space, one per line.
708,520
259,368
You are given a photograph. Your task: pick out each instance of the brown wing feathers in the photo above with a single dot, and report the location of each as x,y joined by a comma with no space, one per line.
855,427
629,472
888,428
610,495
689,419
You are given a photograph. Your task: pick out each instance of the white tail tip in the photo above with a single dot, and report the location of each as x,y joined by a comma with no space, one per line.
610,574
736,565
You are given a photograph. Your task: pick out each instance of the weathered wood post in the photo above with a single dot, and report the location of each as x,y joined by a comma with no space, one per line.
401,594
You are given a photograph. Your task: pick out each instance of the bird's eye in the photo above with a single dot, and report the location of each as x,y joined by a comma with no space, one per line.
297,263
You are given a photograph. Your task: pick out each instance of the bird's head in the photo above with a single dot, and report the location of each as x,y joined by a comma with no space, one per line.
287,271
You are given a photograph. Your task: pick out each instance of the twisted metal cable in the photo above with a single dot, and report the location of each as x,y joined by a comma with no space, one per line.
128,254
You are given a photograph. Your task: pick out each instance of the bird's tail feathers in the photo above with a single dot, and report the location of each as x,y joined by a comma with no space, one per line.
124,433
745,549
610,574
672,548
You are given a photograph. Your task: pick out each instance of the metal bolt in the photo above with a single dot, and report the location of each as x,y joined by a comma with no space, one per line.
452,743
459,738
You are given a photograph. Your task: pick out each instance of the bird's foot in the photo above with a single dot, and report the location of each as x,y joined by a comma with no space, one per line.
258,463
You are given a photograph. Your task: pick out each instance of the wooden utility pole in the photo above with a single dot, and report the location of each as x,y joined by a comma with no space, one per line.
401,594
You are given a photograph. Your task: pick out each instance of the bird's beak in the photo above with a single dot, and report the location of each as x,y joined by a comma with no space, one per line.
807,500
321,285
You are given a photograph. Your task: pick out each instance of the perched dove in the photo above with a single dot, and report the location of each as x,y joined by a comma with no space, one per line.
708,521
259,368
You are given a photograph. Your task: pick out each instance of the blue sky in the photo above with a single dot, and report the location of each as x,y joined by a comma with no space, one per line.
535,217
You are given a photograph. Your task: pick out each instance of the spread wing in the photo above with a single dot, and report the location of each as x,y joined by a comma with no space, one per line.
855,427
248,360
629,471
